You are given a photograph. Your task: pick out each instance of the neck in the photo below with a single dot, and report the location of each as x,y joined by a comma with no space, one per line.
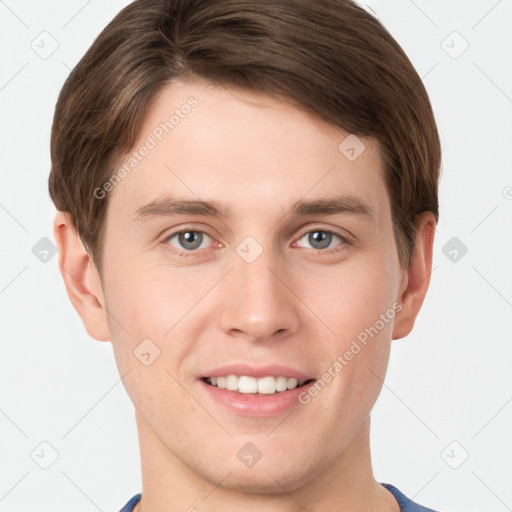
169,485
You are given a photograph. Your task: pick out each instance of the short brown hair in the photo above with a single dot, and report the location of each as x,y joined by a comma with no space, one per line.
330,58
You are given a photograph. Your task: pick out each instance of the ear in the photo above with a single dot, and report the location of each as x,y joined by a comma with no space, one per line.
416,279
81,278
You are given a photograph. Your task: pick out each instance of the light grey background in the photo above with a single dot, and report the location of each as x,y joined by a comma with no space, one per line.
448,392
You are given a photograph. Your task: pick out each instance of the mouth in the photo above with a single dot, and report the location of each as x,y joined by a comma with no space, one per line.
248,385
254,390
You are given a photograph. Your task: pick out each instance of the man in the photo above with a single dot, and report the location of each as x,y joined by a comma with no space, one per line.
247,196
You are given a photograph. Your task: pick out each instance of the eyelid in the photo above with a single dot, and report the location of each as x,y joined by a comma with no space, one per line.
342,233
344,240
185,228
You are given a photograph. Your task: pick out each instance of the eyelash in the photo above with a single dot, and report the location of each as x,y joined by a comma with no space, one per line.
194,253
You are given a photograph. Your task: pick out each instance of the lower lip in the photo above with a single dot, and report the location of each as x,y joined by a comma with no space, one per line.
251,404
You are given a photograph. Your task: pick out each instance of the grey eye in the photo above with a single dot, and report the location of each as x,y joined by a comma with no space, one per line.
320,239
188,240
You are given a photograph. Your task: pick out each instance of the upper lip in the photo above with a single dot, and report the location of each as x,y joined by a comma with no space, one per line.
239,369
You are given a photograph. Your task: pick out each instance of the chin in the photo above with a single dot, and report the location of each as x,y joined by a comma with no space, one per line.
260,482
262,478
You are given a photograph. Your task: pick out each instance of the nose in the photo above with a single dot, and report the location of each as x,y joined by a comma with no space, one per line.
258,301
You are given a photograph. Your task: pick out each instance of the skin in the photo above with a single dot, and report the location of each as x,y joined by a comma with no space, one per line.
296,304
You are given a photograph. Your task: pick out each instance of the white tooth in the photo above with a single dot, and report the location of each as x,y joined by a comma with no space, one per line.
247,384
292,383
232,382
267,385
281,384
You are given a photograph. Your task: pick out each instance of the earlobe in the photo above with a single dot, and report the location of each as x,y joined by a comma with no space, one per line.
80,278
417,277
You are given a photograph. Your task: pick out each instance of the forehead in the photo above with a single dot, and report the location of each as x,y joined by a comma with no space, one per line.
249,151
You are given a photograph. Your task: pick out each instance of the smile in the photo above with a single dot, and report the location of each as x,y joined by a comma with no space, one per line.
245,384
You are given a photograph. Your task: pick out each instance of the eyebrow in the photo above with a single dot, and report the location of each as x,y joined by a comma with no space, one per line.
167,206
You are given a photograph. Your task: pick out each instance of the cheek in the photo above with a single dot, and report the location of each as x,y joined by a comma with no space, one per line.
149,299
354,298
357,304
358,307
157,303
148,312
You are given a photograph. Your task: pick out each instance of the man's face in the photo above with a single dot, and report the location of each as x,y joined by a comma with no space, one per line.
267,285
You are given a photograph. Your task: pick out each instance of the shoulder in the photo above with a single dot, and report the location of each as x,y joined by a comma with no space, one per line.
131,503
406,504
